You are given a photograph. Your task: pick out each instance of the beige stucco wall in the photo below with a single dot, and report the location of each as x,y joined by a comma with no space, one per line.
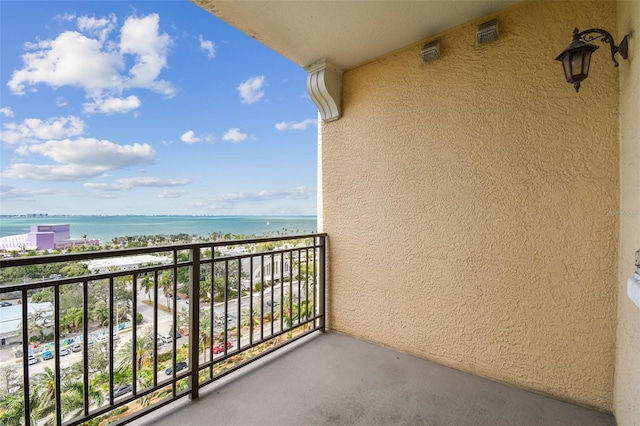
471,205
627,378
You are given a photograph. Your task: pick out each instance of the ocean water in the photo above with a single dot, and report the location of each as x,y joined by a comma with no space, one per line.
105,228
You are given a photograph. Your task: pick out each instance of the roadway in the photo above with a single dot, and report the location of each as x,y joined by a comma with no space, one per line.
165,320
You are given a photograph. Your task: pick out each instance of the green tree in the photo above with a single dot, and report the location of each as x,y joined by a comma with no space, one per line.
247,316
146,284
72,397
44,386
76,269
100,312
71,320
45,295
12,409
39,321
143,353
166,284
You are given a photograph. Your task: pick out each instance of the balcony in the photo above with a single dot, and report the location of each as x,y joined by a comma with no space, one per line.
333,379
259,296
108,336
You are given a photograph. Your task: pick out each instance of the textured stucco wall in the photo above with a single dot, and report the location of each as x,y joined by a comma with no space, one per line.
470,204
627,378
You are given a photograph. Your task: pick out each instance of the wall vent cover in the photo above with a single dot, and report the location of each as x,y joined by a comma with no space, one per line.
431,51
488,31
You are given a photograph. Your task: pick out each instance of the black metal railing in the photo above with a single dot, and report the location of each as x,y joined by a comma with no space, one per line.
116,334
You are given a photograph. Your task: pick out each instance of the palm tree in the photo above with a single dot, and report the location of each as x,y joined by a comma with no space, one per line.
100,312
144,351
248,317
166,284
44,386
72,319
146,285
12,409
72,398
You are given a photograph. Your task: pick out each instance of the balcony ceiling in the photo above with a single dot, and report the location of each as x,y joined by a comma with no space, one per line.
347,33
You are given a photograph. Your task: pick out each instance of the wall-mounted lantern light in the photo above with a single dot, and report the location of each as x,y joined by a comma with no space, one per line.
576,58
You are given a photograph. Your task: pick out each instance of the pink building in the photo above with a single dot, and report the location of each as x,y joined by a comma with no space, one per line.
44,237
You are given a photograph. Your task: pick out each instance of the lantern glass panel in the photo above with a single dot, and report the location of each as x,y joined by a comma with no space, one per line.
577,61
566,66
587,62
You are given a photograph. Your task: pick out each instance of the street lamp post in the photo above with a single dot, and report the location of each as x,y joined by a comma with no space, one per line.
117,317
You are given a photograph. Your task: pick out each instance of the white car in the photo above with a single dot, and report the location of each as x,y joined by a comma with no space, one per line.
33,360
105,338
64,351
167,338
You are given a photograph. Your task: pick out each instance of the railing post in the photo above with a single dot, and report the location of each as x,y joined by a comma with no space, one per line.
194,322
25,359
322,279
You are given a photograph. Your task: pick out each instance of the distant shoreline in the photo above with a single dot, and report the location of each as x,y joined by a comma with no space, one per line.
107,227
45,215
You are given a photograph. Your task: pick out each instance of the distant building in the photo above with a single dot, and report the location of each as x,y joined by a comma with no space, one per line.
100,266
11,321
44,237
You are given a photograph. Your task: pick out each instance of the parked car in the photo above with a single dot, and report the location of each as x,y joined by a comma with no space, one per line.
33,360
46,355
64,351
159,341
179,366
3,304
220,347
105,338
167,338
76,347
122,390
220,319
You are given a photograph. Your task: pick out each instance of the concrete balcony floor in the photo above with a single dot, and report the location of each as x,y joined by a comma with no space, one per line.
332,379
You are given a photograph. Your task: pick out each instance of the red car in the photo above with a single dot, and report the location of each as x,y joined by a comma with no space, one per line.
220,348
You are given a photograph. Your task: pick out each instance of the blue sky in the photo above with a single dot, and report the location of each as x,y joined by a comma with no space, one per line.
148,107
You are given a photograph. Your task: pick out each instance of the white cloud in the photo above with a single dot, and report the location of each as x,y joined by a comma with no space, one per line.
64,172
72,59
129,183
97,64
189,137
60,102
208,46
106,186
89,152
65,17
34,130
141,38
235,135
21,194
297,193
6,111
171,194
154,182
300,125
112,105
251,90
100,27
